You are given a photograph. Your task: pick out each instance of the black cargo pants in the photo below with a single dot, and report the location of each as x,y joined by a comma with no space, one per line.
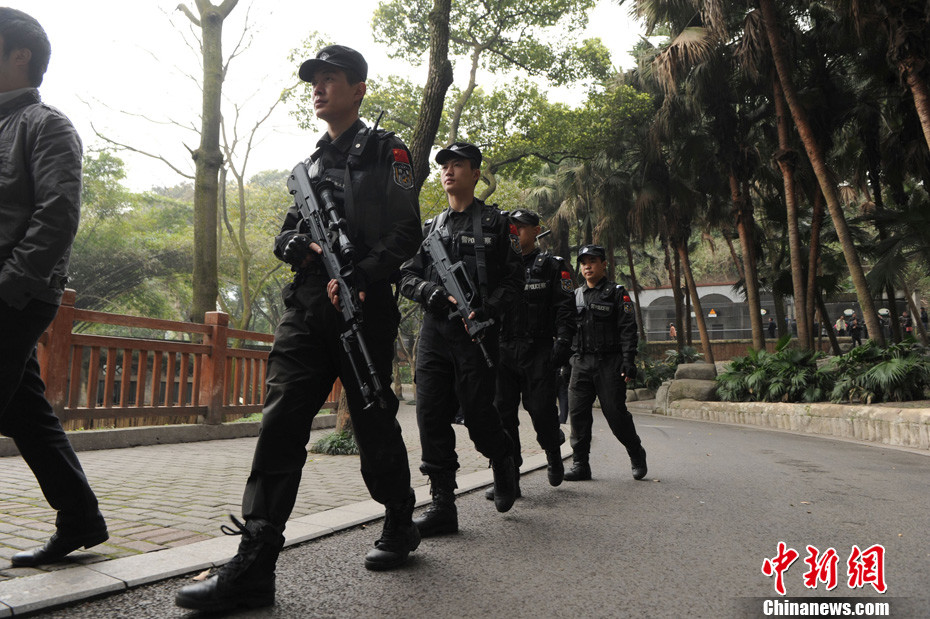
598,376
305,360
525,368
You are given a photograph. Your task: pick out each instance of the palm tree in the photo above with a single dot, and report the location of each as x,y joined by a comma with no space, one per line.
815,152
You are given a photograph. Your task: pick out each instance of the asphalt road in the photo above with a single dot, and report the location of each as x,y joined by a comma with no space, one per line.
689,541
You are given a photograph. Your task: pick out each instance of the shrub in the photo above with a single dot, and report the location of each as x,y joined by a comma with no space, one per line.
869,373
336,444
786,375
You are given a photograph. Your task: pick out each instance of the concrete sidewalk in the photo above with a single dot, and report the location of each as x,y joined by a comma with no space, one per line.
164,505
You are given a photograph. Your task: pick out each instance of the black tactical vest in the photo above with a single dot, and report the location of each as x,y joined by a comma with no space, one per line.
533,315
598,320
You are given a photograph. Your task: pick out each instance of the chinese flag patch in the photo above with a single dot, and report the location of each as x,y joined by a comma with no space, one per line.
566,275
513,230
401,155
626,298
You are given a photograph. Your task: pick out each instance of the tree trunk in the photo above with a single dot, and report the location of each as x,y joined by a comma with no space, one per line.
911,69
207,158
744,226
818,161
611,260
813,261
915,314
787,160
465,96
676,288
735,257
634,284
698,311
438,80
681,305
781,324
343,419
828,325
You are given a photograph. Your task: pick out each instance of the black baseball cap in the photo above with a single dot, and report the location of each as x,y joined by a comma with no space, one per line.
592,250
525,216
338,56
459,150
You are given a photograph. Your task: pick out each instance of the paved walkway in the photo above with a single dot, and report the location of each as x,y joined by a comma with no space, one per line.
167,496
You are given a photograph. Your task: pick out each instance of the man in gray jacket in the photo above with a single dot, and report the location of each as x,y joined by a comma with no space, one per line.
40,203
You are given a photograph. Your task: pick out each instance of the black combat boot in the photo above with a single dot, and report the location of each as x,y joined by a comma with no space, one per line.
638,462
441,517
248,578
580,471
505,483
489,493
399,537
556,468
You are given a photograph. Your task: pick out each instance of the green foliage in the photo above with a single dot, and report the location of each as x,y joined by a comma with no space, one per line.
652,373
510,35
868,373
787,375
336,444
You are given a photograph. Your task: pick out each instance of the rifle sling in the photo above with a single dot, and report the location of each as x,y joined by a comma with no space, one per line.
479,251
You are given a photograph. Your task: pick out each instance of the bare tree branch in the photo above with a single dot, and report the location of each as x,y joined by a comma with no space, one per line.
121,146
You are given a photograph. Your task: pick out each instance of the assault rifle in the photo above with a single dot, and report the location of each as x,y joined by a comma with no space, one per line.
455,280
328,230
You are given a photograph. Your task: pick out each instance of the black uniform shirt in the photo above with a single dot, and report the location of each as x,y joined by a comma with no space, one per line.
502,257
383,216
546,309
606,321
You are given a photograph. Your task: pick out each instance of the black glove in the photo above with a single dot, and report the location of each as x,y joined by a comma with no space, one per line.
628,370
561,352
297,250
436,299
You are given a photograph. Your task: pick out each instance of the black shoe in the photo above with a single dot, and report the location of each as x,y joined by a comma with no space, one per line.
248,580
556,468
580,471
398,539
505,483
638,463
60,545
441,517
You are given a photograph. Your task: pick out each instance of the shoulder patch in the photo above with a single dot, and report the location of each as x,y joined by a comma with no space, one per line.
402,173
513,229
401,155
567,281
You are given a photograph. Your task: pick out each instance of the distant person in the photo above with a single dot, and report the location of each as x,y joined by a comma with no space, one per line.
672,331
40,205
603,363
907,325
535,341
855,330
771,327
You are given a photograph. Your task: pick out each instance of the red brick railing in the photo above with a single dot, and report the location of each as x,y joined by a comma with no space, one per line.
94,380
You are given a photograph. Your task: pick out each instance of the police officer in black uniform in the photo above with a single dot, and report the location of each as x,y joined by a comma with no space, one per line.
372,178
535,340
451,370
604,361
